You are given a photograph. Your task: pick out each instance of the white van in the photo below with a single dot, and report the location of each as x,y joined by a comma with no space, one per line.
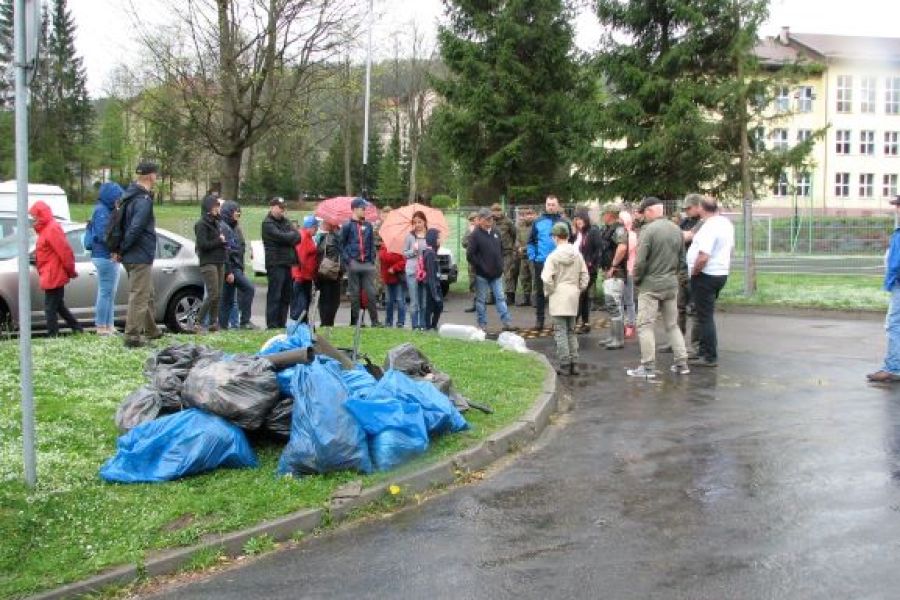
53,195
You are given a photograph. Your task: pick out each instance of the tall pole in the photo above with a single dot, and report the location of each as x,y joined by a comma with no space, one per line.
746,181
23,228
365,169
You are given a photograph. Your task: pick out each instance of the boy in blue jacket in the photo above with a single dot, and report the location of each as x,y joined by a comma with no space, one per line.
434,298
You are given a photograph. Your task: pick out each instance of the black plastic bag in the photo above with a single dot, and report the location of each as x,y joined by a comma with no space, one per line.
278,421
242,390
409,360
141,405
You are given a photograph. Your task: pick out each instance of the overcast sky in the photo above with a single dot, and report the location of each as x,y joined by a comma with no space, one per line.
102,25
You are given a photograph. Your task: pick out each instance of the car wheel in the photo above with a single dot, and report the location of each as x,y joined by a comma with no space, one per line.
181,313
445,288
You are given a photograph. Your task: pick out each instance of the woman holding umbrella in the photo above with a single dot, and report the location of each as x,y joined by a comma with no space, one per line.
413,249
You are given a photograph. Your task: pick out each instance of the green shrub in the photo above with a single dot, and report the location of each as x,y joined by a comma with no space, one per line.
443,201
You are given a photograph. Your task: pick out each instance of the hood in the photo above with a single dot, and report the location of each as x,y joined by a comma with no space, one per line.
42,215
433,238
627,220
565,254
229,207
134,189
585,216
110,192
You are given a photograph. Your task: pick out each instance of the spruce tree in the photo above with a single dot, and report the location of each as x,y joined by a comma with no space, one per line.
7,56
511,94
389,189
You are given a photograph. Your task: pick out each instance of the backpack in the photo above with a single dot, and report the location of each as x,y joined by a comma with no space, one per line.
115,228
88,239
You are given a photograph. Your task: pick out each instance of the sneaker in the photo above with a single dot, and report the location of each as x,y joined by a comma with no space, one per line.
249,326
641,371
509,327
883,377
680,369
702,362
471,309
665,349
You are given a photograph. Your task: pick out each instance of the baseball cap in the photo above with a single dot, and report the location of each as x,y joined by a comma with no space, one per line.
309,221
276,201
895,201
146,167
359,203
648,202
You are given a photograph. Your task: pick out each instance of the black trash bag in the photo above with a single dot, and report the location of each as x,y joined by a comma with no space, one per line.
167,369
142,405
409,360
278,421
242,390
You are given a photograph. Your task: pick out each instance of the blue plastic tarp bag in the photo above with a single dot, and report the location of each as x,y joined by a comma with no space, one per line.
324,435
441,416
178,445
285,378
359,382
396,429
297,336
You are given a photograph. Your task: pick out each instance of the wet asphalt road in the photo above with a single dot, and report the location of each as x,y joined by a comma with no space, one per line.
775,476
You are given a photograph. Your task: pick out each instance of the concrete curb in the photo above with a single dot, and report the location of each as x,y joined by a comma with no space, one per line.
445,472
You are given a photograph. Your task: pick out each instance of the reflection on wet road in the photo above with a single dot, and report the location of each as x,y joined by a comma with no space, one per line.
774,476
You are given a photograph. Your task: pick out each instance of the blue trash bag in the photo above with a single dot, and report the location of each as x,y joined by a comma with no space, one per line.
441,416
324,436
297,337
284,378
359,382
178,445
396,429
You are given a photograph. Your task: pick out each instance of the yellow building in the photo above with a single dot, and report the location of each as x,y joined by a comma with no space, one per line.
855,167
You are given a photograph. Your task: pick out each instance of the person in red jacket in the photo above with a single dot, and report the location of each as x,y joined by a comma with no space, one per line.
393,276
55,266
305,272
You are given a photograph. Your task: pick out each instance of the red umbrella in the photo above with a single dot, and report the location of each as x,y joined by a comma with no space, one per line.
398,224
337,210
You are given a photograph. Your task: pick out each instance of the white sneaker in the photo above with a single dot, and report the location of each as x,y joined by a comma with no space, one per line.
641,371
680,369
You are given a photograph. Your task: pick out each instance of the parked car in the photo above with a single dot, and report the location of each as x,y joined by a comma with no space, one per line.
449,270
52,195
176,277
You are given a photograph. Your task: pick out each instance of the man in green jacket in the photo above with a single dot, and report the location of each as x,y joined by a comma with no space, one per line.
660,256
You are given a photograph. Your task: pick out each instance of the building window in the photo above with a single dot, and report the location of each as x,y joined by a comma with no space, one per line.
867,142
868,97
783,99
804,184
780,188
779,139
844,93
890,142
758,139
890,186
805,99
842,184
866,185
842,146
803,135
892,95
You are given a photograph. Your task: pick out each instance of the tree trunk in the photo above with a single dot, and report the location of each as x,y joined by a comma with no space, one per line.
413,164
231,175
746,182
348,178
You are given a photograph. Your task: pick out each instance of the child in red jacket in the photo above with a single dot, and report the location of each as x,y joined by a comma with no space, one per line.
306,271
393,268
55,266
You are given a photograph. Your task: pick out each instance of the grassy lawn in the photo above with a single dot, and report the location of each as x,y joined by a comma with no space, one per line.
835,292
73,524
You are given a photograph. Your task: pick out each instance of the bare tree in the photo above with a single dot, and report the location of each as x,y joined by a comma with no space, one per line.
419,98
240,65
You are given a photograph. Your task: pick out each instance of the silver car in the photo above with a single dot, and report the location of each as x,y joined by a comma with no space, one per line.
176,279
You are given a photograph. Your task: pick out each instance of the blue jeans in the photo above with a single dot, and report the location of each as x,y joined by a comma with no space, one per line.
107,283
301,297
237,301
416,301
395,298
892,325
495,286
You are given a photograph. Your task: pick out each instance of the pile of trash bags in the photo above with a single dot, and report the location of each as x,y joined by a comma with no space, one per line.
198,404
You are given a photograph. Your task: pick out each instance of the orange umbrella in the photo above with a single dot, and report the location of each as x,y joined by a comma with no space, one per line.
398,224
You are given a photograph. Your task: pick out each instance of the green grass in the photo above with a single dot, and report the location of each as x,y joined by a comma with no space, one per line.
73,524
831,292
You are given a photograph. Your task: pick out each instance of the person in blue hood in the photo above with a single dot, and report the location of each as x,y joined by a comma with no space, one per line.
236,281
107,268
540,245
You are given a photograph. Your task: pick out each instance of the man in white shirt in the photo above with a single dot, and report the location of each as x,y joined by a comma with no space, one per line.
709,260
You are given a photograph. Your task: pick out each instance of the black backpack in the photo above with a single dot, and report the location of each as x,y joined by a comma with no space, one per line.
115,228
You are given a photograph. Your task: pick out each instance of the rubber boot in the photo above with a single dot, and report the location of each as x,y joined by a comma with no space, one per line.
616,334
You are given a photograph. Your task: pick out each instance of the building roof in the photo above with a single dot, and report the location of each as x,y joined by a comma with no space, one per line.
772,52
849,47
